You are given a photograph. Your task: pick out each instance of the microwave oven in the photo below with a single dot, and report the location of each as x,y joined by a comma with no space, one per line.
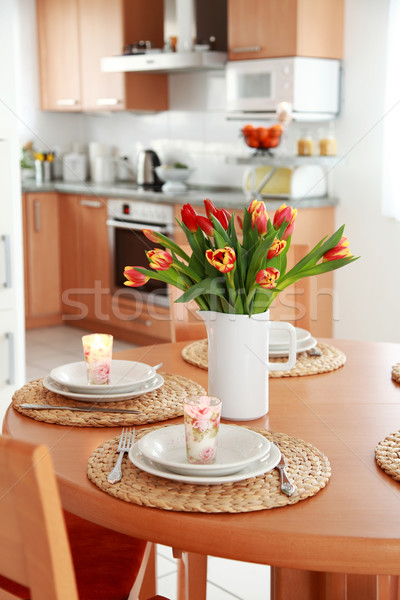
311,85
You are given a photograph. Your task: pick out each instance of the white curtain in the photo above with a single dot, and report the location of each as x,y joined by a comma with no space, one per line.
391,122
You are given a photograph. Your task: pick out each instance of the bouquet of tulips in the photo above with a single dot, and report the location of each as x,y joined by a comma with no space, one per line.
236,265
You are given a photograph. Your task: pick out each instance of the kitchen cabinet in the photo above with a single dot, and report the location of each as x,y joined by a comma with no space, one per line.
85,279
42,259
74,36
277,28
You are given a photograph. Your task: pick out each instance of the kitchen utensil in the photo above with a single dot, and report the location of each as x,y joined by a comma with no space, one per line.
75,167
237,447
125,442
150,386
80,408
286,486
126,376
279,338
146,173
105,169
300,347
258,467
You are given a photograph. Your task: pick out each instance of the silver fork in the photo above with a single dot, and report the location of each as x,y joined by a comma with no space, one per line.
125,442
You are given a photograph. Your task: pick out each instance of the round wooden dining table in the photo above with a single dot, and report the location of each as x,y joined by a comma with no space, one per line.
344,542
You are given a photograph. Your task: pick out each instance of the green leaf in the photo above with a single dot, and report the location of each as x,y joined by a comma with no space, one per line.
169,276
213,286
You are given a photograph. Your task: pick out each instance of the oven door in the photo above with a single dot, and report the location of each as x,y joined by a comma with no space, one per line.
128,246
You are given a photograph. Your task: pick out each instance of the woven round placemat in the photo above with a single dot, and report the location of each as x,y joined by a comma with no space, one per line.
387,454
307,468
331,358
396,373
160,405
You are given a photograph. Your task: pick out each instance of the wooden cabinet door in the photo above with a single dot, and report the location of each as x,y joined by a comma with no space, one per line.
273,28
85,258
42,259
261,28
101,34
59,60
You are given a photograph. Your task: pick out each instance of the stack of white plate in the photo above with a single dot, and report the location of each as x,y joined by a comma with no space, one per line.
128,379
241,453
279,342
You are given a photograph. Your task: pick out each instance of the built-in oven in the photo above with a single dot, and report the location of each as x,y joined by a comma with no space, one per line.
128,244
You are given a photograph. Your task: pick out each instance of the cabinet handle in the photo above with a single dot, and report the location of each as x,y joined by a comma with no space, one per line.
108,101
7,247
67,102
146,322
239,49
91,203
11,368
36,215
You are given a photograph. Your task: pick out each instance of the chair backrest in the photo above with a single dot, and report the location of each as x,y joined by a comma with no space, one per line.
34,548
292,305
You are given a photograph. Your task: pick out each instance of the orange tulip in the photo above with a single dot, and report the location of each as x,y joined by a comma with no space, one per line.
135,278
222,259
266,278
161,260
151,235
259,216
276,248
339,251
285,214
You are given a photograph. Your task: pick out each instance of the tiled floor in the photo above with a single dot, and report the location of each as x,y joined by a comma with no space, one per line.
227,580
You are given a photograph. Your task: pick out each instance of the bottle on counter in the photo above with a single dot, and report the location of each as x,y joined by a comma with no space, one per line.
327,141
305,144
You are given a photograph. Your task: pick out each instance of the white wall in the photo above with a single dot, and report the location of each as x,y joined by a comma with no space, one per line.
369,290
195,129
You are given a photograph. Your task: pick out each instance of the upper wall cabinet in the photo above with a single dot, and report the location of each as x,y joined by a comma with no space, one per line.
277,28
75,35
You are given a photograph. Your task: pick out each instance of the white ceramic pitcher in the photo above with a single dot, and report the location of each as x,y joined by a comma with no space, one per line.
238,362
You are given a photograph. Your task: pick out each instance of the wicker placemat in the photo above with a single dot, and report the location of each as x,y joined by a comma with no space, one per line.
387,454
331,358
307,467
396,373
160,405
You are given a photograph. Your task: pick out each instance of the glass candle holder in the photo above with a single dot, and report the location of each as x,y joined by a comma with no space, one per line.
97,349
201,415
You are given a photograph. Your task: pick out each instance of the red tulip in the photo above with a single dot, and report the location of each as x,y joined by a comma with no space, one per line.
135,278
161,260
285,214
222,259
189,217
339,251
222,214
276,248
206,225
151,235
239,221
266,278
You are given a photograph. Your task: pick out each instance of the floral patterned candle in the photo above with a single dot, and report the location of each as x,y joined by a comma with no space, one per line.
97,349
201,415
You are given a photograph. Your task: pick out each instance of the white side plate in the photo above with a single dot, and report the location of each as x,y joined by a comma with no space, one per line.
258,467
237,447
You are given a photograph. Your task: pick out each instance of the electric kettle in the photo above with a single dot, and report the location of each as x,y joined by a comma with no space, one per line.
146,173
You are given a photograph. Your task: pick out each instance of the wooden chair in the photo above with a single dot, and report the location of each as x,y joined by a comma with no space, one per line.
291,305
36,558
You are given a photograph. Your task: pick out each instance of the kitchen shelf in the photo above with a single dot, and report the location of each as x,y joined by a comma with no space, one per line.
285,161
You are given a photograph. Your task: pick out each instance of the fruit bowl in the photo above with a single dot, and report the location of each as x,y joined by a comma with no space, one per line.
262,138
174,178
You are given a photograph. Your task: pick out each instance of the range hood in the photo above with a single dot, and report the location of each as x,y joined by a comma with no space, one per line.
164,62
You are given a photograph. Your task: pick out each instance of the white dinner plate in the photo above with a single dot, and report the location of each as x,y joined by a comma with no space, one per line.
279,338
300,347
125,375
258,467
150,386
237,447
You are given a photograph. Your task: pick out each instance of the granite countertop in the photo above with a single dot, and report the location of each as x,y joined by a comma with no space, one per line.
221,197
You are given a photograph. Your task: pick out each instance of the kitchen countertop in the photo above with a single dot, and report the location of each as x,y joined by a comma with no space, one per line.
221,197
